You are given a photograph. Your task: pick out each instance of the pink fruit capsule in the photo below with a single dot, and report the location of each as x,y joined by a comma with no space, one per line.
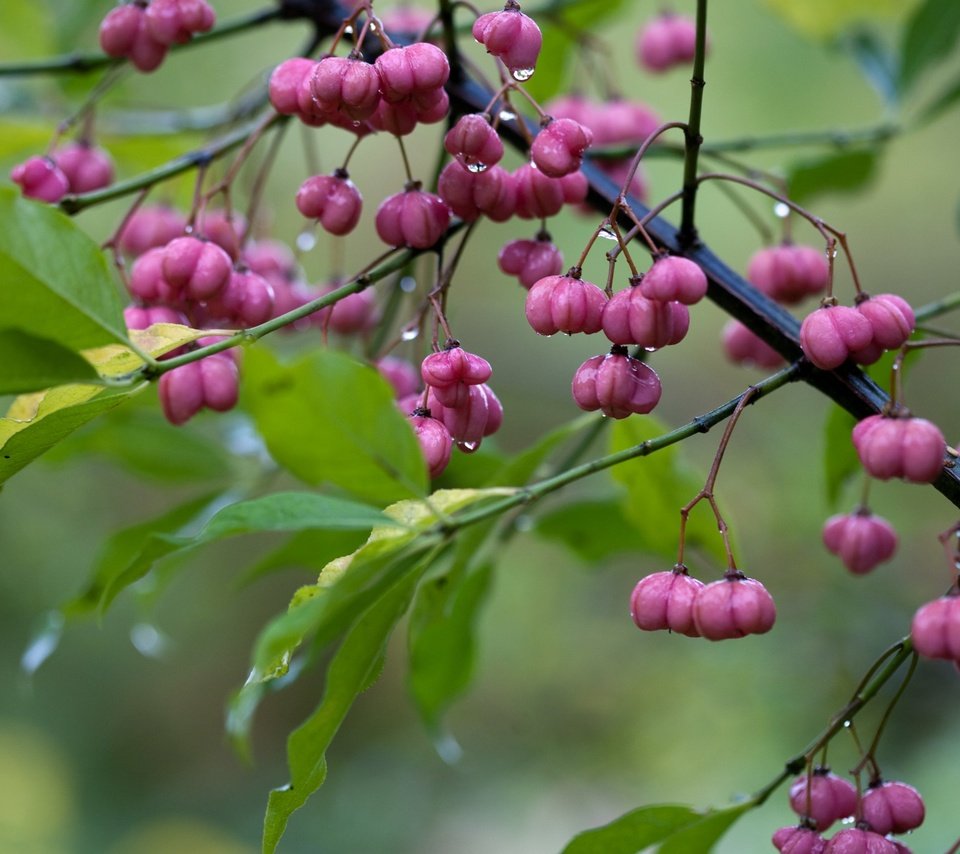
908,448
892,320
823,798
147,281
798,840
285,83
412,218
451,371
830,334
118,30
856,841
198,267
247,299
512,37
559,147
472,194
744,347
473,142
530,260
935,630
86,166
616,384
151,226
674,279
666,41
434,439
181,393
220,378
789,273
344,85
40,178
630,318
861,540
892,807
733,607
622,122
565,304
416,69
664,600
333,200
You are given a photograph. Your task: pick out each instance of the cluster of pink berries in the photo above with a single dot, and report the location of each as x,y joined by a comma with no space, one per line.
787,273
733,607
77,167
456,407
824,798
651,313
144,30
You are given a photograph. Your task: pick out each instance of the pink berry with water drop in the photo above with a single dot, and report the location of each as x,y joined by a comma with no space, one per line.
733,607
511,36
473,142
40,178
565,304
892,807
481,414
469,195
823,797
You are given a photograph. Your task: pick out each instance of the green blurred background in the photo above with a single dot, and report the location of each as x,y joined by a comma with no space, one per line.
116,743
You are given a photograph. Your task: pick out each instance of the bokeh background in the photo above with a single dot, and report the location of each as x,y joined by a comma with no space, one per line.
115,744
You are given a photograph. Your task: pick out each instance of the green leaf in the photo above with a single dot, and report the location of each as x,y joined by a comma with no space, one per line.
943,102
703,834
355,665
840,461
330,419
657,487
31,363
680,829
440,637
145,443
55,279
281,511
526,464
37,422
928,37
125,546
592,530
844,171
825,18
876,61
634,830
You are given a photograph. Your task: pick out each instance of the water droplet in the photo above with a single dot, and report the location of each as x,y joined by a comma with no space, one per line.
44,643
410,333
148,640
833,253
468,447
522,74
524,523
477,167
448,748
408,284
606,233
306,240
507,116
373,27
847,724
781,210
348,31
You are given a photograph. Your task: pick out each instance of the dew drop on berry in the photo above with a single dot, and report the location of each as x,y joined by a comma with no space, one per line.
522,74
476,167
507,116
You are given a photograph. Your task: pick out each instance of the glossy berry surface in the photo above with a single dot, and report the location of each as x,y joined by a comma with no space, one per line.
664,600
616,384
892,807
674,279
565,304
733,607
861,540
823,797
908,448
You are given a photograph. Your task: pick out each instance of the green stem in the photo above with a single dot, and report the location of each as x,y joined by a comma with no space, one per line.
937,307
700,424
191,160
75,63
794,765
688,230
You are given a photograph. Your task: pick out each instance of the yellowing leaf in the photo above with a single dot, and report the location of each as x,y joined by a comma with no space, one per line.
822,19
115,360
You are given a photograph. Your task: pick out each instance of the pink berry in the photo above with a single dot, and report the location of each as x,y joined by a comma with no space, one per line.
856,841
530,260
892,807
667,41
406,72
400,374
40,178
558,149
220,377
830,334
469,195
511,36
860,539
789,273
352,314
622,122
616,384
798,840
674,279
935,630
147,281
175,21
198,267
744,347
823,798
479,415
347,86
151,226
908,448
285,83
892,321
412,218
181,393
434,439
664,600
630,318
473,142
147,53
226,229
87,167
575,107
538,195
118,30
334,200
247,299
270,258
451,371
136,317
565,304
733,607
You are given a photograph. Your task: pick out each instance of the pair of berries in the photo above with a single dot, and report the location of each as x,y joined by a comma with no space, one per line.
530,260
512,37
143,32
77,167
733,607
185,268
212,382
833,333
333,200
900,446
